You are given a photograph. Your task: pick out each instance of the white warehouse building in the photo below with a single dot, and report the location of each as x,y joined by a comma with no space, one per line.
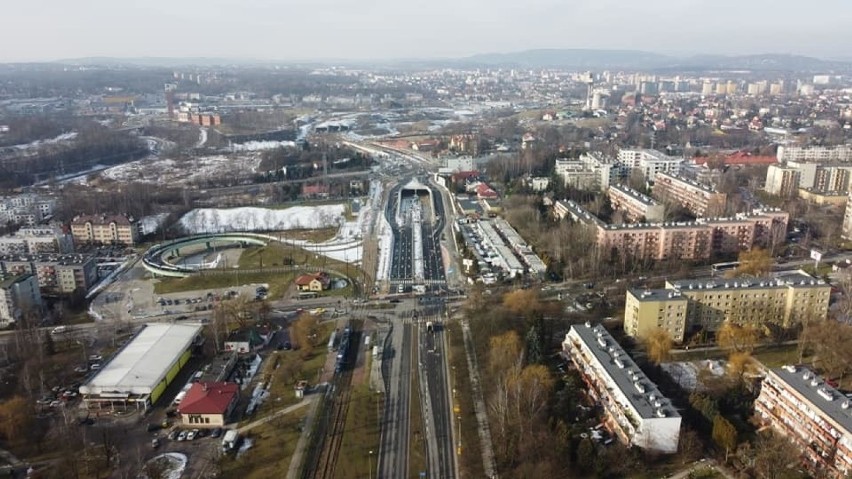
635,410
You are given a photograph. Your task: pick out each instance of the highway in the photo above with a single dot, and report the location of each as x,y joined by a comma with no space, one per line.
436,392
396,421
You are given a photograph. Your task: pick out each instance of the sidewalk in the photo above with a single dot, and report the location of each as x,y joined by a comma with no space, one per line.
479,405
296,460
307,400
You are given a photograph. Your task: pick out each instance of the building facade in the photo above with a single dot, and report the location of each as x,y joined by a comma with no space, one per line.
56,274
634,409
116,229
700,199
782,180
811,414
847,219
18,296
687,306
817,154
37,239
637,207
649,162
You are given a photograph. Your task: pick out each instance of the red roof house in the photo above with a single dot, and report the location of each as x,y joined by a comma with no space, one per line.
483,191
208,404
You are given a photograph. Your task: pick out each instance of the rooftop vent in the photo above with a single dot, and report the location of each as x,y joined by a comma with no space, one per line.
790,368
845,404
639,386
814,382
806,376
826,394
588,324
602,342
660,413
619,363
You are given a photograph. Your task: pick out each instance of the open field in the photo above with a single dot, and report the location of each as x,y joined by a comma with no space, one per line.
278,282
470,460
360,435
313,236
274,445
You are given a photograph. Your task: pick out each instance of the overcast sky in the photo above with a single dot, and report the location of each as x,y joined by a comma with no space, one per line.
37,30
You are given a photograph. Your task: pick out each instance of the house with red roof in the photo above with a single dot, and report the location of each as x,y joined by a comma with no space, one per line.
483,191
209,404
313,282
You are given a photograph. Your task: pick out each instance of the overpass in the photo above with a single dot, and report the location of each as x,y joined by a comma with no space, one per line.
156,263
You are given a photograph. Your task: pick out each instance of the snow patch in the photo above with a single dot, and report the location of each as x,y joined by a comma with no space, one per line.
174,465
150,224
215,220
49,141
261,145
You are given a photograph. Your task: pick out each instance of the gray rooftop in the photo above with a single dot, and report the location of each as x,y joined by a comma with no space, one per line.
824,397
644,199
787,279
624,372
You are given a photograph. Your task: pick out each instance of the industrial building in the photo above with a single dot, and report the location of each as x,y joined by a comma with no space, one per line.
139,373
634,409
813,415
684,306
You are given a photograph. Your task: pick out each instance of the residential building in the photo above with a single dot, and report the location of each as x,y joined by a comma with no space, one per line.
687,306
810,413
575,174
18,295
106,230
634,409
316,282
782,180
649,162
835,198
637,207
247,340
26,209
56,274
37,239
818,154
208,404
846,232
700,199
591,171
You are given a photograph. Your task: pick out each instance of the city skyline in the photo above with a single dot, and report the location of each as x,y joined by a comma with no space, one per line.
383,30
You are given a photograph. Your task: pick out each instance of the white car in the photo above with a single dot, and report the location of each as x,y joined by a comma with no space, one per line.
182,436
192,435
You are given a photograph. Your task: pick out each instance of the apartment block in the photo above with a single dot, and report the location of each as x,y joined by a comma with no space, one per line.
591,171
635,205
575,174
813,415
649,162
634,409
56,274
37,239
18,295
846,233
782,180
115,229
818,154
681,240
700,199
687,306
26,209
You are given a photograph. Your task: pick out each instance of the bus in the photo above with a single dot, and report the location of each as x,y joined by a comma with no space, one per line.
722,267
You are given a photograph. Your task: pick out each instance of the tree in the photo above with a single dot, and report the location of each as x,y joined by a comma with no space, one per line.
658,344
305,333
733,337
504,352
16,416
724,434
522,302
740,363
772,456
754,262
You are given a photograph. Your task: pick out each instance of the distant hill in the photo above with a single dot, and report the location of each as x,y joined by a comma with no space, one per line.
636,59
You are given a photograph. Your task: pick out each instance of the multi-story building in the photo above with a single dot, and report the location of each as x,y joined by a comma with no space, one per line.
683,240
782,180
700,199
685,306
35,239
591,171
637,207
847,219
575,174
18,296
56,274
810,413
649,162
116,229
26,209
819,154
634,409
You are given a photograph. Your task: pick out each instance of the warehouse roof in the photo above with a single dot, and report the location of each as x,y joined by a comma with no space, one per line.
144,361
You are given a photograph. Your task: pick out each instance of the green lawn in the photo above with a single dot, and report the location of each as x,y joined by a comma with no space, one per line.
313,236
777,356
360,435
278,282
273,448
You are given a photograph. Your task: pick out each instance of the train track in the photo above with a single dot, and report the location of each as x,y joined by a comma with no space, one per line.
329,436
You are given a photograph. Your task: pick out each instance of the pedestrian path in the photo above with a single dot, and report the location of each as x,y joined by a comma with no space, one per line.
307,400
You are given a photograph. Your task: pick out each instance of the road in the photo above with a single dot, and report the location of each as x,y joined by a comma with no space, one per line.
396,423
433,357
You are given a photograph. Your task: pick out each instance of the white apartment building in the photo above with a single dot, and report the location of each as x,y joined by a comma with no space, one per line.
635,204
846,233
635,410
591,171
37,239
812,414
574,174
816,154
782,180
650,162
18,295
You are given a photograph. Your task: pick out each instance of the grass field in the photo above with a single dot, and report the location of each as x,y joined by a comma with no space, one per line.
417,440
360,435
314,236
470,460
274,445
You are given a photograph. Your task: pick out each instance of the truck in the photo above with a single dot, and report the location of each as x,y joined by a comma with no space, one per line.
229,442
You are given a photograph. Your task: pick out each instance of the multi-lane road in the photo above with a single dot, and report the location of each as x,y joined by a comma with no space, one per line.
439,420
396,369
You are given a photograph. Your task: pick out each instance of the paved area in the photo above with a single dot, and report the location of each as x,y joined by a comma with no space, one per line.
304,402
396,423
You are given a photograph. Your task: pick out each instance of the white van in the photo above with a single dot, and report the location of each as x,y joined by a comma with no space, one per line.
59,330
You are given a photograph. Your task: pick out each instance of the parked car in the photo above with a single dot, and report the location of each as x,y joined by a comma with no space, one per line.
191,435
173,435
95,358
155,443
182,435
216,432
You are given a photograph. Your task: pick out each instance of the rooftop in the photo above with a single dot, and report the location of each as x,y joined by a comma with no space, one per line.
644,199
7,281
643,394
784,280
686,181
208,398
824,397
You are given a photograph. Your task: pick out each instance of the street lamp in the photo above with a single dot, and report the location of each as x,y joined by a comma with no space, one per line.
370,463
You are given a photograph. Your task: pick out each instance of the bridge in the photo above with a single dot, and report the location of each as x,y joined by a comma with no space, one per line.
155,260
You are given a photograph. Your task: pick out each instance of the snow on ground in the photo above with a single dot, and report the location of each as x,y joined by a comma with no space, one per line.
169,171
202,137
261,145
688,374
174,462
48,141
150,224
215,220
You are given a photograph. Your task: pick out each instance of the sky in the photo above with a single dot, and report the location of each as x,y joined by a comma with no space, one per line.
45,30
